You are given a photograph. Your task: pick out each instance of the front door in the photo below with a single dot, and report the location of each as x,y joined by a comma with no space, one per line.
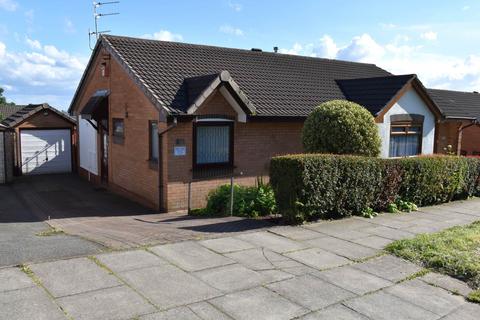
104,151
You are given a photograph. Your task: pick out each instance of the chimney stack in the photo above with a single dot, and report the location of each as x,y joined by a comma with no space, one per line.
275,49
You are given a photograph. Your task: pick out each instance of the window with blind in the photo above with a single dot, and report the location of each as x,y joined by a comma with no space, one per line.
213,144
405,139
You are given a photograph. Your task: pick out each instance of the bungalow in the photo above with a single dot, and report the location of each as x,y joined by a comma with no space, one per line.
163,123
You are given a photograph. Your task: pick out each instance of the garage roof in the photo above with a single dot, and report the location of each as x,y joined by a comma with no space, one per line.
24,112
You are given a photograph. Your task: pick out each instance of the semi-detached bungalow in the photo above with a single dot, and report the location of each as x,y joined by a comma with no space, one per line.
164,122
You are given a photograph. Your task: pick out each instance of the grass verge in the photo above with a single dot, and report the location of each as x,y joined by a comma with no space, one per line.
454,251
50,232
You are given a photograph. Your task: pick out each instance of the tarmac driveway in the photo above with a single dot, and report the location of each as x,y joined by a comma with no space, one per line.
19,242
80,209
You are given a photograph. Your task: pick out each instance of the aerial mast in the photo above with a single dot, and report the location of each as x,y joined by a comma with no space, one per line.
96,16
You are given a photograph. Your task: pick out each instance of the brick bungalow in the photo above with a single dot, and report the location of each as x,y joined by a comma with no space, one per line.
163,122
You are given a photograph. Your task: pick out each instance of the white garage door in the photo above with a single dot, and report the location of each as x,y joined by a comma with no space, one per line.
46,151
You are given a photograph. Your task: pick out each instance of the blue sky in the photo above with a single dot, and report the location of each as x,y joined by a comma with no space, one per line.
44,44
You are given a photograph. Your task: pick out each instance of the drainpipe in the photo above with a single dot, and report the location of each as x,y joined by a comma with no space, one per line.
161,196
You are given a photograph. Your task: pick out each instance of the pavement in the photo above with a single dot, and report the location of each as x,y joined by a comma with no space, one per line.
325,270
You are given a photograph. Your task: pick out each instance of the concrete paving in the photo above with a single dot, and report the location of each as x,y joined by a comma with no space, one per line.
279,273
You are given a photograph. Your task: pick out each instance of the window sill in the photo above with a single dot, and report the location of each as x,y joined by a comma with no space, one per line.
212,172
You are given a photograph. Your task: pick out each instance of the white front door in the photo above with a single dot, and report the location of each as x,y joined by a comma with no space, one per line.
46,151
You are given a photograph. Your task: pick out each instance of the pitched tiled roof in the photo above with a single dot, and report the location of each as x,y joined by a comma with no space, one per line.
23,112
275,84
457,104
7,109
374,93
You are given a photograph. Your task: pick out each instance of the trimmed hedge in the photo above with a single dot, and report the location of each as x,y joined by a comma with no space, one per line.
313,186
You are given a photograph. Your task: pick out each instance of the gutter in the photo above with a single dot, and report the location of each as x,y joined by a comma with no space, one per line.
161,196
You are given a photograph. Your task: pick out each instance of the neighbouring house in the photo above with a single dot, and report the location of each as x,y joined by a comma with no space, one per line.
164,123
42,140
461,125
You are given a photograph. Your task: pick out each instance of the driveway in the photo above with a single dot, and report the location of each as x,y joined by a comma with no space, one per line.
19,240
326,270
86,212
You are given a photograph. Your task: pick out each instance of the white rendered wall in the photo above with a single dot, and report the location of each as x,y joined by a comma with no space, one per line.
88,146
409,103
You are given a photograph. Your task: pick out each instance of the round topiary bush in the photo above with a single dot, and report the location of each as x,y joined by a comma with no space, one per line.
341,127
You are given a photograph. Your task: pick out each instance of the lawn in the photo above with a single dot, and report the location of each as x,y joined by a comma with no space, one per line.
455,252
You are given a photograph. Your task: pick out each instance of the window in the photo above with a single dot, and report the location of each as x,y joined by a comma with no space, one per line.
405,139
118,128
153,129
213,144
118,131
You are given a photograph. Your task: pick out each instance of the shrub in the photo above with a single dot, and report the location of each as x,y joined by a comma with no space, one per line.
352,125
313,186
247,201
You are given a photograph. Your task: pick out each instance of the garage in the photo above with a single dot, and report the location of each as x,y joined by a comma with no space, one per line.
46,151
43,139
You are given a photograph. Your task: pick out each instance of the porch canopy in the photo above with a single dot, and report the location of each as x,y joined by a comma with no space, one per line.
96,107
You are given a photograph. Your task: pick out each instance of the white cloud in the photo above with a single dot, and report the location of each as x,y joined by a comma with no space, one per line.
33,44
429,35
465,8
29,15
228,29
235,6
163,35
45,71
8,5
398,57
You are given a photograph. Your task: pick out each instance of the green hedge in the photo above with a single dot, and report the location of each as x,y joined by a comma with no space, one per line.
313,186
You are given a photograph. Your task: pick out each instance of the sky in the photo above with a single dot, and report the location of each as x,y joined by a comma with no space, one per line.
44,45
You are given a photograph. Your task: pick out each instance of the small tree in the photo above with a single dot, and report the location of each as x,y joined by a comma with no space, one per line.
3,100
341,127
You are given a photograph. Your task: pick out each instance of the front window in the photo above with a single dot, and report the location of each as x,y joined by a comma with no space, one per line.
405,140
213,144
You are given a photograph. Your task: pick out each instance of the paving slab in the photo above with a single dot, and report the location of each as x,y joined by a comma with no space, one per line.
389,233
388,267
168,286
231,278
262,259
343,248
336,312
436,300
207,311
28,303
272,241
296,233
354,280
181,313
258,304
130,260
14,279
310,292
73,276
191,256
340,225
277,275
447,283
374,242
383,306
318,258
226,245
468,311
116,303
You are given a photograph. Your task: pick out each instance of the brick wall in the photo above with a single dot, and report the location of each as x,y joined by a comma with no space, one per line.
448,135
130,172
471,139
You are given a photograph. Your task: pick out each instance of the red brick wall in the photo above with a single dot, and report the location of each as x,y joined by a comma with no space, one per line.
254,144
471,139
130,171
